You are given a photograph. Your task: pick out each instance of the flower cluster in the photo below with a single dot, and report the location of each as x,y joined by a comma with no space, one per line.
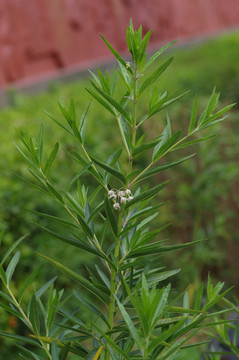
120,197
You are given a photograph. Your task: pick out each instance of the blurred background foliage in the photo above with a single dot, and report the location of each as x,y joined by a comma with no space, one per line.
203,193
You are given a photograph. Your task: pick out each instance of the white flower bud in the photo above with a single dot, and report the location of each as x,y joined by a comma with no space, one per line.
111,194
127,65
130,198
116,206
121,193
127,191
123,200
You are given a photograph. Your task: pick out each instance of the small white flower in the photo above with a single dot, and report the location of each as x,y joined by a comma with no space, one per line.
123,200
116,206
127,65
111,194
127,191
130,198
121,193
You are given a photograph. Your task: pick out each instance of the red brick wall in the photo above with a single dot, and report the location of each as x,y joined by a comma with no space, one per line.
42,36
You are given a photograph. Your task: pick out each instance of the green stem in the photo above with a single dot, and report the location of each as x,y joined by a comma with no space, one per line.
122,135
113,287
134,129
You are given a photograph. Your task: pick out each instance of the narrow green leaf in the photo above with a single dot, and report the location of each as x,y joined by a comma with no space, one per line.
150,79
163,167
11,267
198,297
221,112
28,282
169,125
151,249
114,103
166,146
40,143
51,159
111,216
192,142
76,243
85,227
163,104
100,100
35,186
115,53
173,350
145,211
96,211
64,351
11,249
56,219
83,123
28,160
28,352
44,288
19,338
3,275
67,115
145,146
157,54
146,195
54,351
34,314
111,342
76,277
55,193
91,307
6,297
166,334
129,323
193,115
87,166
157,307
58,123
118,175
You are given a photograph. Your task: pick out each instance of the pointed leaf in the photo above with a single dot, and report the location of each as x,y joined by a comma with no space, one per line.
111,216
166,146
146,195
118,175
28,282
193,115
44,288
114,103
163,167
114,52
150,79
192,142
11,267
54,351
157,54
75,276
129,323
51,159
11,249
101,101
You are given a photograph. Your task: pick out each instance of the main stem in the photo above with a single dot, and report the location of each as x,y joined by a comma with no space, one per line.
111,310
134,122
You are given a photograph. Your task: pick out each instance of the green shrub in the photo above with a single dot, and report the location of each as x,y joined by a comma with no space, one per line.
135,314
